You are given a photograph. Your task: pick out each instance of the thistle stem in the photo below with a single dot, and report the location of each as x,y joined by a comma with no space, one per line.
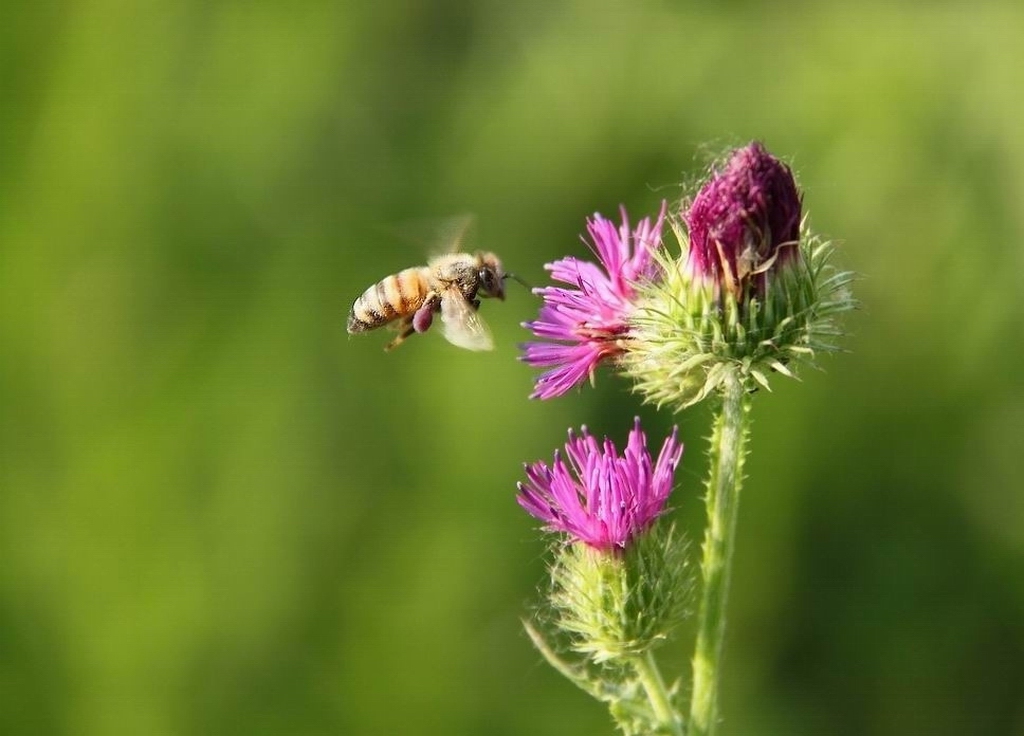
661,703
727,452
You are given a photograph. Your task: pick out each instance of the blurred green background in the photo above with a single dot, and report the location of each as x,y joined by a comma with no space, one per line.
221,515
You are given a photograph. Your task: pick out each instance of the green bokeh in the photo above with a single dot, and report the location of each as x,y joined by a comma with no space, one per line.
219,514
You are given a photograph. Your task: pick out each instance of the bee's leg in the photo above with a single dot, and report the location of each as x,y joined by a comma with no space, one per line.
405,328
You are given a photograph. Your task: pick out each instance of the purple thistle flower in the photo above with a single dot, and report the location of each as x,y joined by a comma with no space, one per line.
598,497
744,221
586,324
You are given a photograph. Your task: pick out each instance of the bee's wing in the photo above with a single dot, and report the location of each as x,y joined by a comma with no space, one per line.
453,234
436,235
462,325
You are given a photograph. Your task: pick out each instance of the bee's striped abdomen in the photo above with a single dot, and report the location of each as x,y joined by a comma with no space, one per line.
398,295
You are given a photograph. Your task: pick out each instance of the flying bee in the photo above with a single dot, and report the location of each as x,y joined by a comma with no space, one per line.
451,284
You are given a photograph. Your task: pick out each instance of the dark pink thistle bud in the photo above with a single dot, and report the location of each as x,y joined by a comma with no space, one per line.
597,496
744,222
751,295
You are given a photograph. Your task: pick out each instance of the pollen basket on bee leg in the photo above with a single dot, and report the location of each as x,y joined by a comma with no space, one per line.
423,318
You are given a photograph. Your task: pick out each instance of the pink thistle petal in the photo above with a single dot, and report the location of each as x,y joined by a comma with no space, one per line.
583,326
598,496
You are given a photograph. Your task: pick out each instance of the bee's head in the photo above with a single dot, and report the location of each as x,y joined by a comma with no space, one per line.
492,277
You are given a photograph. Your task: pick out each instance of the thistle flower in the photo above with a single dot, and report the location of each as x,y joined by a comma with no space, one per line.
751,292
623,582
583,326
599,497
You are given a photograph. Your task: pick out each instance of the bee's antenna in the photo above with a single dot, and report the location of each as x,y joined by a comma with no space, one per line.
514,277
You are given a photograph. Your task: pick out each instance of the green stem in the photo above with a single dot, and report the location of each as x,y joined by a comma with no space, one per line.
650,677
728,449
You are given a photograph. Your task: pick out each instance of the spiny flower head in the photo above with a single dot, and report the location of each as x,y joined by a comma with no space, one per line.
623,583
588,323
598,496
751,292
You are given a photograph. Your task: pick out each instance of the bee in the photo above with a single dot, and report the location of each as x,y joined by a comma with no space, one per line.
450,284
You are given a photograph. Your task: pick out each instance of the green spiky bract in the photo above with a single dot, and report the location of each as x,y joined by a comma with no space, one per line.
689,333
619,604
612,608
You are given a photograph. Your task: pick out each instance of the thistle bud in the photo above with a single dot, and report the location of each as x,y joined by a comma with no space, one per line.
750,293
744,222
